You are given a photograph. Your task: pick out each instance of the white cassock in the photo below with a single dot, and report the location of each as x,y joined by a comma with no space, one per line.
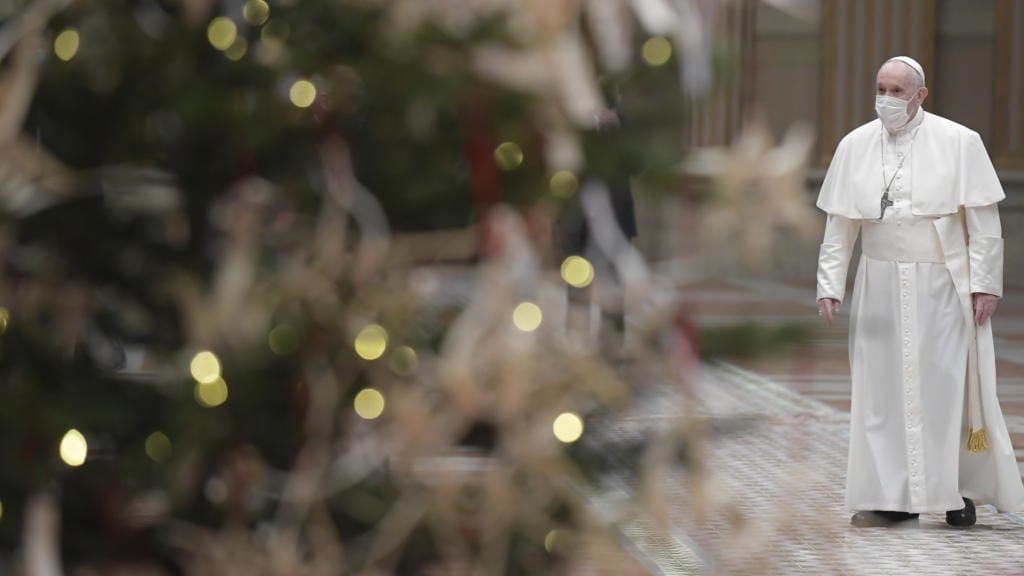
923,373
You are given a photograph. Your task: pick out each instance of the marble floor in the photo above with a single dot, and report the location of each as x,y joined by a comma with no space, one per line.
771,498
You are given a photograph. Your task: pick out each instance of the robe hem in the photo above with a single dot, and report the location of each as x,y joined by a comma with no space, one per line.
926,509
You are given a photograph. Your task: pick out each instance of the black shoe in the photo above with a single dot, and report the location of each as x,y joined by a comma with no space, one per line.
964,517
877,518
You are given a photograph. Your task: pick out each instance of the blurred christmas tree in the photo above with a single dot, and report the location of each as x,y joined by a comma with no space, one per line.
224,348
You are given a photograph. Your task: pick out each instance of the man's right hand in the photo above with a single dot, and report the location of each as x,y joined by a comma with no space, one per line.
827,307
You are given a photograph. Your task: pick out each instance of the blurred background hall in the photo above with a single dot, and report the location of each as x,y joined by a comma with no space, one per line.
813,63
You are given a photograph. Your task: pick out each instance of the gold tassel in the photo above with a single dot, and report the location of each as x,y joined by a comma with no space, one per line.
977,440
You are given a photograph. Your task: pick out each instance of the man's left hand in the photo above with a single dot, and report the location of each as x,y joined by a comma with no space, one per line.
984,306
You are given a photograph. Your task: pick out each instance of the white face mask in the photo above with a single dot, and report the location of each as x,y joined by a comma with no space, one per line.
892,111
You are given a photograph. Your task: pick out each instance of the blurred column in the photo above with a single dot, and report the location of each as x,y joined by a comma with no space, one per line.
786,70
963,82
717,118
1008,141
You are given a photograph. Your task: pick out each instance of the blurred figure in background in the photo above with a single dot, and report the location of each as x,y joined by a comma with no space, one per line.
573,235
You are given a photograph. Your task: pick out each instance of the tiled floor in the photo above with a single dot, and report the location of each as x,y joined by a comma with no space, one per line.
774,485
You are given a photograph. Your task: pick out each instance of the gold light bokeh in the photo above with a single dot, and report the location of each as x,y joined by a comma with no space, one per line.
657,51
256,12
237,50
5,319
74,449
369,403
508,155
66,44
159,447
577,271
564,184
221,32
211,394
302,93
551,540
371,342
205,367
527,316
283,339
403,361
1,510
568,427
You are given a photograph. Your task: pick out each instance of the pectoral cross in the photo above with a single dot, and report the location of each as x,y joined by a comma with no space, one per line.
885,203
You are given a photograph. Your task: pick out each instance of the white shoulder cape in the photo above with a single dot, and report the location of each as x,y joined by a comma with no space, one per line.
950,168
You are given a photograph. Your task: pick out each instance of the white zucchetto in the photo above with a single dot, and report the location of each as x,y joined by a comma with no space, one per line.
909,62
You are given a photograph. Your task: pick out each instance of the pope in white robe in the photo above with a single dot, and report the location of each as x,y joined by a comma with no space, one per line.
926,433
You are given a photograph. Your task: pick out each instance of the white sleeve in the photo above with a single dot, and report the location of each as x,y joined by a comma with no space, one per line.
834,256
985,246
